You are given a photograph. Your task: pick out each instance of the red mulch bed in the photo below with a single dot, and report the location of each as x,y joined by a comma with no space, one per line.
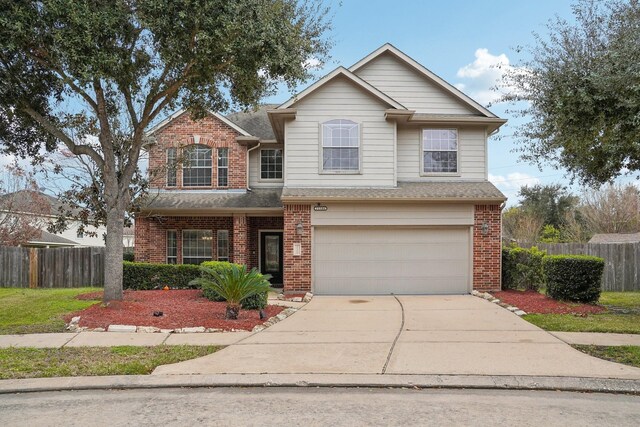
181,309
535,302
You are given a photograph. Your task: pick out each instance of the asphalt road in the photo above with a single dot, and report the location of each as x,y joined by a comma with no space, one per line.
320,406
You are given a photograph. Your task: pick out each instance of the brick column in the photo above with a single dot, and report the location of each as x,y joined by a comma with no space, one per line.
487,248
240,246
297,268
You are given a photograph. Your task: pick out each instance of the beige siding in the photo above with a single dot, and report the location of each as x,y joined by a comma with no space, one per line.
407,86
339,99
254,169
385,260
339,214
471,154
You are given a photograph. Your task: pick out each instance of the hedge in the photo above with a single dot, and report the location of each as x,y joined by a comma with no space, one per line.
143,276
522,268
254,302
574,277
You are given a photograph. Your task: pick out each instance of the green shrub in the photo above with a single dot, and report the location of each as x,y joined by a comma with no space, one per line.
128,256
254,302
143,276
574,277
522,268
235,284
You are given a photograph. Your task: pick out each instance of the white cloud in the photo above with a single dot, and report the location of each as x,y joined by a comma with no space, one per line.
510,184
483,74
312,64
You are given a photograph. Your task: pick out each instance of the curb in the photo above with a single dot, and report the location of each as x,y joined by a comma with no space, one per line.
507,382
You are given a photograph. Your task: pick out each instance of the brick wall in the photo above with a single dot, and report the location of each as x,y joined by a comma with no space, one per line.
151,235
257,223
487,252
297,269
210,131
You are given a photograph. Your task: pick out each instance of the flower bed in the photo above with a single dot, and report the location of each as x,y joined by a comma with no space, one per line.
180,308
535,302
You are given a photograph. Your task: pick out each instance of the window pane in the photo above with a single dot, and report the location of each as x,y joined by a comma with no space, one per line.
340,159
440,161
196,246
271,164
171,167
341,139
440,150
172,247
223,167
196,169
223,245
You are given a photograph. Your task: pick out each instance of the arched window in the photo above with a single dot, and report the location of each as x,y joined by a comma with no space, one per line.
196,166
340,145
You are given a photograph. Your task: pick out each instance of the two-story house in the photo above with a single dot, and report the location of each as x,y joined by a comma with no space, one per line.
373,180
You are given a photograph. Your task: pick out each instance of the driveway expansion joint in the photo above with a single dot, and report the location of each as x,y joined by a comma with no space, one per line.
393,345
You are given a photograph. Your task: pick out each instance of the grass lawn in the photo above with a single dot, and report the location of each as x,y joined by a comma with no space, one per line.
26,311
614,321
69,362
629,355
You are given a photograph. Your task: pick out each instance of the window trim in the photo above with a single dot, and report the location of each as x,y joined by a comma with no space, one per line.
421,151
182,257
182,167
260,178
321,170
169,166
218,257
218,167
167,246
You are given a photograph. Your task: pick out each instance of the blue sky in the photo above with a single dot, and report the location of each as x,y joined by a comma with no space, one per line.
445,36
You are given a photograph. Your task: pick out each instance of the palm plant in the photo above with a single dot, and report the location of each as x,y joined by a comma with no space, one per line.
234,284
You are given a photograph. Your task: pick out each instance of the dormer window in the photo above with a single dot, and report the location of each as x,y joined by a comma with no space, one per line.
439,151
340,146
196,168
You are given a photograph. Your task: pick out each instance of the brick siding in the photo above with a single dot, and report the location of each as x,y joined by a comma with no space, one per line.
209,131
297,269
487,249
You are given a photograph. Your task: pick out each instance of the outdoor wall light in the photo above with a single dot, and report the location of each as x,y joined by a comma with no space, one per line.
485,228
299,229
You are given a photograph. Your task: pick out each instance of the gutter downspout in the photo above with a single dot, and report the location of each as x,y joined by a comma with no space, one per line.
249,165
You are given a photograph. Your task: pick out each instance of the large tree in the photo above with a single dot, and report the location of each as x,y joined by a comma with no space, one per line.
90,76
551,202
581,92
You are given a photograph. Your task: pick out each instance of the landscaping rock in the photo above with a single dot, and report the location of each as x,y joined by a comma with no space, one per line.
520,312
122,328
214,330
307,297
258,328
475,293
281,296
487,296
495,301
511,308
75,320
167,331
98,330
296,299
193,330
281,316
148,329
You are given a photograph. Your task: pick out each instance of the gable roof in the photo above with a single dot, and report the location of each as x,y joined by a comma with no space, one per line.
341,71
444,85
177,114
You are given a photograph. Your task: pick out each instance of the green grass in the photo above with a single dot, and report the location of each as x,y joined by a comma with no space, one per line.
605,322
26,311
621,299
629,355
90,361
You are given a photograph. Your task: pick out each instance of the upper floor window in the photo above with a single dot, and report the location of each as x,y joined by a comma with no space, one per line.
196,168
172,156
223,167
270,163
340,145
440,150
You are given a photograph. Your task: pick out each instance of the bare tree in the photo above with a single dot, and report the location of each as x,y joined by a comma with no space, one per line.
521,225
612,209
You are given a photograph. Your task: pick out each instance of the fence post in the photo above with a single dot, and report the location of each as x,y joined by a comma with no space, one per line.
33,268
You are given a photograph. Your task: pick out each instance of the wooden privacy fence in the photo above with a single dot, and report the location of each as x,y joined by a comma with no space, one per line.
51,267
622,261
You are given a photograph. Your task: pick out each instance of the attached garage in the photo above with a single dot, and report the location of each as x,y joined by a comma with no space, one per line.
383,260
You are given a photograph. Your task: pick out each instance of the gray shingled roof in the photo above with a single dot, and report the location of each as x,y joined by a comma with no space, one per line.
616,238
432,191
204,200
52,239
255,122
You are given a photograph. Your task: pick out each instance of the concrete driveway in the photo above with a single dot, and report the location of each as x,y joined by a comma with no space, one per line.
455,335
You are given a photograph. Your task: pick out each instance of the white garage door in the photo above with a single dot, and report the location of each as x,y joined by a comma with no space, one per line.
379,261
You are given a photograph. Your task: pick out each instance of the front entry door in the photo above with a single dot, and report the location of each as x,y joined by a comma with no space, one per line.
271,254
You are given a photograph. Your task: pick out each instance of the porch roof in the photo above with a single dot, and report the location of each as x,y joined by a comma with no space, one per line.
434,191
202,201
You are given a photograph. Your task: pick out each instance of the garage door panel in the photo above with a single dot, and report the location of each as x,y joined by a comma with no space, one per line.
377,260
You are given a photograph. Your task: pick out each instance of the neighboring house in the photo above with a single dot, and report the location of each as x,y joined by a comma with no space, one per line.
373,180
616,238
128,237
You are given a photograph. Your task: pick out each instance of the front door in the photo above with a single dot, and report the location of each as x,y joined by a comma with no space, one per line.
271,253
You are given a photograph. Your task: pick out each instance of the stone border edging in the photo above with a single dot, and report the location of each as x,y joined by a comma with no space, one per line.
491,298
507,382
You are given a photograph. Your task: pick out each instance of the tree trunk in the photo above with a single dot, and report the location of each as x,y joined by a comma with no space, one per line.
232,311
113,255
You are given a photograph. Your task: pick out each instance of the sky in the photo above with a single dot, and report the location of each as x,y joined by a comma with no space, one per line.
459,40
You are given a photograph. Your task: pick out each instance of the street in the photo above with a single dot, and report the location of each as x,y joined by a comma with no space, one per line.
319,406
